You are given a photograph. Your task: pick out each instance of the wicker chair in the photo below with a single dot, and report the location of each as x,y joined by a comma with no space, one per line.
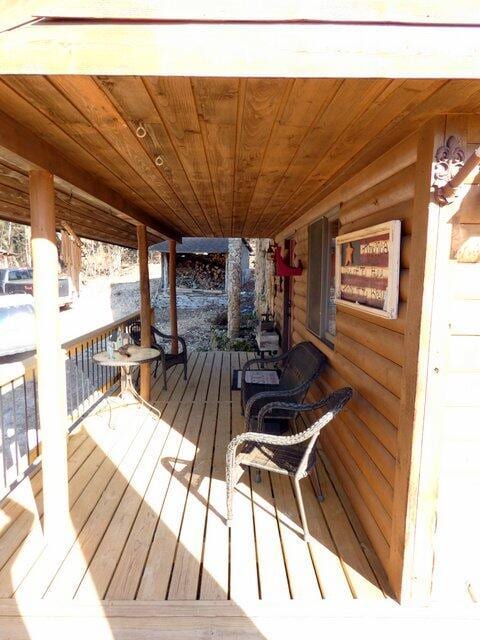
167,360
301,366
293,455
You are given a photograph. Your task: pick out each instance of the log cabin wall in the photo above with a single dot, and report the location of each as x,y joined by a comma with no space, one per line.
368,355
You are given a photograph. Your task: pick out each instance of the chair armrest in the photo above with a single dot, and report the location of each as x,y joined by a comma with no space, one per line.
288,406
183,343
166,336
160,348
332,404
268,438
280,394
249,363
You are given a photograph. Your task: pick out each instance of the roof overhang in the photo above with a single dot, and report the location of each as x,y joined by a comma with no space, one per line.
257,39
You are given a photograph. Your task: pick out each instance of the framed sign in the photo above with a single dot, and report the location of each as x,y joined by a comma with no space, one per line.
368,268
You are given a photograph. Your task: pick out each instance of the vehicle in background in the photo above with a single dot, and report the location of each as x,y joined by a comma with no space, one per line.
21,281
17,324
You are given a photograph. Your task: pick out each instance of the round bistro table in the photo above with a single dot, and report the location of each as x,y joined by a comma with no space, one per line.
136,356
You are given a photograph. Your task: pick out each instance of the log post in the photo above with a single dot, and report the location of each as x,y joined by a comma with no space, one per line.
260,279
164,273
234,286
172,276
145,309
52,397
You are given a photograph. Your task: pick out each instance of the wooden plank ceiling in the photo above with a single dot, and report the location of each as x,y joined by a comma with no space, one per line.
89,219
235,156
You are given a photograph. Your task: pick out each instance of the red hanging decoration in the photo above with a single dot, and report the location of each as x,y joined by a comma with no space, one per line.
283,269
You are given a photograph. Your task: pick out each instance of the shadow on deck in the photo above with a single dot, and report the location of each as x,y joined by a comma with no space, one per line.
151,555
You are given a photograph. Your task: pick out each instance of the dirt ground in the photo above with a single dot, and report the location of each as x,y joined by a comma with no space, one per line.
104,300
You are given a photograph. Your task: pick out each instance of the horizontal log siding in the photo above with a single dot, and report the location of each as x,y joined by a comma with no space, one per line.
369,351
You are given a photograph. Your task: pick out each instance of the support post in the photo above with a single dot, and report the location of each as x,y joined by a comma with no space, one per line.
164,273
145,308
234,286
172,276
52,397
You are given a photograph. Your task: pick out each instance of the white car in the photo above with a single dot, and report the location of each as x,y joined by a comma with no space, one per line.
17,324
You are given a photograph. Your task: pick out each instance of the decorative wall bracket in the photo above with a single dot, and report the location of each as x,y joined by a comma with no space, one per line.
283,269
449,159
451,169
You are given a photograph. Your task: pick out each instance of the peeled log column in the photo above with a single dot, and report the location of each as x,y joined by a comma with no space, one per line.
52,397
260,278
145,308
172,273
234,280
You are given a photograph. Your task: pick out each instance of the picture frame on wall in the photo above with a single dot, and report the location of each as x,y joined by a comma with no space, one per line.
367,269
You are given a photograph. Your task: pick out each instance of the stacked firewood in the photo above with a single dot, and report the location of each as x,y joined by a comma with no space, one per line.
201,272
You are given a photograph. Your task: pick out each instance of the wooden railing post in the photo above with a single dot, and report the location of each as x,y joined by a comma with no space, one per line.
145,308
52,397
172,274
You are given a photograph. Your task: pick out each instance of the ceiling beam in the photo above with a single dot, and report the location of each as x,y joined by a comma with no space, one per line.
315,50
24,148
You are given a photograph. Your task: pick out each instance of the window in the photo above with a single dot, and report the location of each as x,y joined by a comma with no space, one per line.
321,279
20,274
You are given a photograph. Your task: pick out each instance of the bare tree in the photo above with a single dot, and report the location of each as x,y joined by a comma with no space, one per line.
15,240
234,281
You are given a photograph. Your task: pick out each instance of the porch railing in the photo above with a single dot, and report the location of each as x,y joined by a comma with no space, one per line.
86,383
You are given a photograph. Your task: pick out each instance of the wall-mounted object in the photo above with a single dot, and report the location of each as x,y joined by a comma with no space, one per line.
451,169
367,269
283,269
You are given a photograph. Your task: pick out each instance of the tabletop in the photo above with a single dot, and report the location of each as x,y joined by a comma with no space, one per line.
137,355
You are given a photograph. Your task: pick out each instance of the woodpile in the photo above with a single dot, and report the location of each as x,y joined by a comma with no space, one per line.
201,272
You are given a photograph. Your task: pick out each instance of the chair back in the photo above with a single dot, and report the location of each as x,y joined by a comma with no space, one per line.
304,363
135,332
331,406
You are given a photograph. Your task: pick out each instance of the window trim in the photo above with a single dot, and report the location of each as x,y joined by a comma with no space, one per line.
325,266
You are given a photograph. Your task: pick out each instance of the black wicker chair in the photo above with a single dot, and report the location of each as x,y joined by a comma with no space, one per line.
293,455
301,366
166,360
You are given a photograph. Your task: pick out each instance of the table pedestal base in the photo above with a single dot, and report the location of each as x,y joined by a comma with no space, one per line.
128,397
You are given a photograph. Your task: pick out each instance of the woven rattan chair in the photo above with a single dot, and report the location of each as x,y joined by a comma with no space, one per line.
166,360
301,365
293,455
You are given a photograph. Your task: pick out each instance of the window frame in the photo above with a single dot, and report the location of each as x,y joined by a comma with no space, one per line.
321,328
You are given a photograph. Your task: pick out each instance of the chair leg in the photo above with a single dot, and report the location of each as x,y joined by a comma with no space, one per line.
156,368
164,377
232,475
185,370
298,494
316,484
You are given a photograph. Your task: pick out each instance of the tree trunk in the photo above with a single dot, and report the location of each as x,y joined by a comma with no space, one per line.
172,277
234,282
263,278
260,306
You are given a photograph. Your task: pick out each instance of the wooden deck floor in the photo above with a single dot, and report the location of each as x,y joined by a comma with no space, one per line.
148,508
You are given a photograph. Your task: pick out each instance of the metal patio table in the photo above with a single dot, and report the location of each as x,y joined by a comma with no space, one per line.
136,356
